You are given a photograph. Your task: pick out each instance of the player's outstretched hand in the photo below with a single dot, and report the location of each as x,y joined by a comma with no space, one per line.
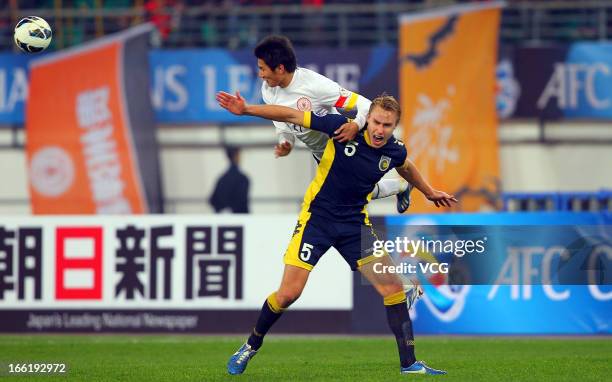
282,149
346,132
233,104
441,199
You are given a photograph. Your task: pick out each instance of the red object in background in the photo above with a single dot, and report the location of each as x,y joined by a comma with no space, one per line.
88,261
156,11
314,3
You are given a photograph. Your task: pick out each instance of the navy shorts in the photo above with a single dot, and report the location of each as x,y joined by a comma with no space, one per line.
314,235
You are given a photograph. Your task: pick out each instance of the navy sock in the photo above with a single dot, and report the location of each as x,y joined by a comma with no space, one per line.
401,326
270,312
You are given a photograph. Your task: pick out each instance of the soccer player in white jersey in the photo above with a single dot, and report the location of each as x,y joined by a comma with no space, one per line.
289,85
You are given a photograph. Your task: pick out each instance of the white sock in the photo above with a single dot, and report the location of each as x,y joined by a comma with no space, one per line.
389,187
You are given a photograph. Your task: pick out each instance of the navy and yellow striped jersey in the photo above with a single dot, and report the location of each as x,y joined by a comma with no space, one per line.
348,171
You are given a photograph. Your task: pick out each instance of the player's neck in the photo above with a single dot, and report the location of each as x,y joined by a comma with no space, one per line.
286,81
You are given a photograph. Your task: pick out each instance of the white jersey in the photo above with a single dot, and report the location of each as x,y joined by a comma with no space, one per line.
309,90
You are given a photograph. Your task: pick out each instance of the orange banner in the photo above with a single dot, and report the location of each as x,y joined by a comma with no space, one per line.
447,91
79,144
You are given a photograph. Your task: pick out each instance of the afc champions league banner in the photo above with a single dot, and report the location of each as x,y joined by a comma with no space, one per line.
91,130
447,91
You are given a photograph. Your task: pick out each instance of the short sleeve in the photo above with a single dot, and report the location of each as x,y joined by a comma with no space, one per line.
326,91
400,154
327,124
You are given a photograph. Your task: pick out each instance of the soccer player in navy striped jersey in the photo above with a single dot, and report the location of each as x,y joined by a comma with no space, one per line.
334,214
285,83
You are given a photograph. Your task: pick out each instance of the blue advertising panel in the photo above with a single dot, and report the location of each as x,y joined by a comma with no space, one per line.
562,81
529,305
550,82
184,82
13,87
590,73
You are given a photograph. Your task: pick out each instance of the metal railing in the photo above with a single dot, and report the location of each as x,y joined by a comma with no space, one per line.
335,25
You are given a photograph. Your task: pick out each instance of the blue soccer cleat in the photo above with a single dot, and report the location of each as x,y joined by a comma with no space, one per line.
403,199
413,294
238,362
419,367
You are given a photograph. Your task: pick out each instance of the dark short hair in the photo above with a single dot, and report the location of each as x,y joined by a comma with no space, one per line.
275,50
387,102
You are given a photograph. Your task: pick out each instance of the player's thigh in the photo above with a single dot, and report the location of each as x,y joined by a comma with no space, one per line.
378,273
355,244
309,242
357,249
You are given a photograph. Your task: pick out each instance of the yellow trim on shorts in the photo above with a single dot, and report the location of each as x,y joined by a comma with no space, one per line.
307,119
369,259
395,298
352,101
292,254
273,304
366,260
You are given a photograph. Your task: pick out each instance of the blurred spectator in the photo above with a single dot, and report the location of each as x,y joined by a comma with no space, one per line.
313,3
208,32
232,188
165,15
73,29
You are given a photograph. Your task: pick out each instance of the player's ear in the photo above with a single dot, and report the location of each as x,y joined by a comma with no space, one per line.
280,69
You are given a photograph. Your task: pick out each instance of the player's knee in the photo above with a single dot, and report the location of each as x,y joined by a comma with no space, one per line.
287,297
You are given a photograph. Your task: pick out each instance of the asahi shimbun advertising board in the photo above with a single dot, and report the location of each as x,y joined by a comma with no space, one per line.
154,273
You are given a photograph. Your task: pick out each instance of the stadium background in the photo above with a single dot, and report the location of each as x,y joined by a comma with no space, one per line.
551,88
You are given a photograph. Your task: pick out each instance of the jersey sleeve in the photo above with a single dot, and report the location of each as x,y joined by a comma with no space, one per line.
331,94
327,124
400,153
363,108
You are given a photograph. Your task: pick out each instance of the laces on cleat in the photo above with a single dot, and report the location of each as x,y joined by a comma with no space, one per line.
243,356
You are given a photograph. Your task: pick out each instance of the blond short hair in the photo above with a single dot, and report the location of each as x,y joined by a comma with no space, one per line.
387,102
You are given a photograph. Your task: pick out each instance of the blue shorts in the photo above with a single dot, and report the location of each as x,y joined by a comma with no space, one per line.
314,235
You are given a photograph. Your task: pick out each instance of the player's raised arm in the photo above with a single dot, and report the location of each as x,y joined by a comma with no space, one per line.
237,105
410,172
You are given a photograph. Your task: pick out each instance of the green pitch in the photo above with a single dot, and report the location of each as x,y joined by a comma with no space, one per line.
201,358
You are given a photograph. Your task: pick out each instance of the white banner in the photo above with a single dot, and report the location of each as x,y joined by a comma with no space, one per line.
156,262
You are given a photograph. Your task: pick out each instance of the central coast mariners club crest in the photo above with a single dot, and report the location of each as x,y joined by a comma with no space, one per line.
384,163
